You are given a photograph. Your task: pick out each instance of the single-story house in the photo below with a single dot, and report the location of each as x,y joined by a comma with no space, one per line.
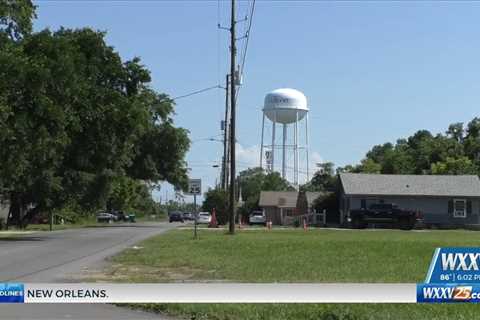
443,200
278,205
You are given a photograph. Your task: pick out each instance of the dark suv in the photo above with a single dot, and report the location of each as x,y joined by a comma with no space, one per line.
384,213
175,216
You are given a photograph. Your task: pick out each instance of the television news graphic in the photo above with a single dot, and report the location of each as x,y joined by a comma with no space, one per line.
11,293
217,293
453,277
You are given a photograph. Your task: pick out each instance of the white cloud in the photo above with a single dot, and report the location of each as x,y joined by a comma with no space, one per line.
247,157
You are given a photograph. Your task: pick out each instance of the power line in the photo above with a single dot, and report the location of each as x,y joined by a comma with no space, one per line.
247,34
197,92
247,38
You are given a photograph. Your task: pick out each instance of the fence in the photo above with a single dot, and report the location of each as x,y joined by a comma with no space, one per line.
312,219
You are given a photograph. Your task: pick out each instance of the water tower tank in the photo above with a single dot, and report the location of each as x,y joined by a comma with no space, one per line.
283,105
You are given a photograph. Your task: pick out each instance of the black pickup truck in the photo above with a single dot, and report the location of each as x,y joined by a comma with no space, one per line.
384,213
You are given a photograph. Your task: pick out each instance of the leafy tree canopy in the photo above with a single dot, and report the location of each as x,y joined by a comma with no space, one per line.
74,117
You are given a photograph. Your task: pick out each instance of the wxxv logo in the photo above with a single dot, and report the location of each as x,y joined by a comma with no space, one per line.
455,265
448,293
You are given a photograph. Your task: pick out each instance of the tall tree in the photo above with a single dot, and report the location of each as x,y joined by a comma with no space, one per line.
323,180
74,117
217,199
254,180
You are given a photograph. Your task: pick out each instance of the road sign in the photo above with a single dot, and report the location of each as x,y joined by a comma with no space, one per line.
194,186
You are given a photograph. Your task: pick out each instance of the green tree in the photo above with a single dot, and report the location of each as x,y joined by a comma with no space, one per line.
254,180
370,166
324,179
458,166
456,132
217,199
74,117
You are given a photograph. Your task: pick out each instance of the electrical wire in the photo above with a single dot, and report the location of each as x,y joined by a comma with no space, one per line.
197,92
247,34
247,38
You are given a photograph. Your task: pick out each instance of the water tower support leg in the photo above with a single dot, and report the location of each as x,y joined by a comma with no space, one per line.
306,140
273,142
283,149
295,148
261,145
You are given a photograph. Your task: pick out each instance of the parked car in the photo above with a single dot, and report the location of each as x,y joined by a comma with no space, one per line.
257,217
105,217
384,213
176,216
120,216
204,218
188,216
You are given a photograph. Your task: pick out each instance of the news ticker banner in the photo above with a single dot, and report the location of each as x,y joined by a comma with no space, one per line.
453,277
206,293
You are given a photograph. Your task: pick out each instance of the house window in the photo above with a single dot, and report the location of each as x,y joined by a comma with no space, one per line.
459,208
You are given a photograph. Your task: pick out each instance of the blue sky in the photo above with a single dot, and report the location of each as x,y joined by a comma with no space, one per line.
372,71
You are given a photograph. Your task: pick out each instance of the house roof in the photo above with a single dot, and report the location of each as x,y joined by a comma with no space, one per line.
312,196
281,199
410,185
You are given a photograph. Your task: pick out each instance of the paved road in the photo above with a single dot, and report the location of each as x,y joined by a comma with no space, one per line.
59,256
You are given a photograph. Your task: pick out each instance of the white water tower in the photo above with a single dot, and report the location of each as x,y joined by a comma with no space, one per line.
286,107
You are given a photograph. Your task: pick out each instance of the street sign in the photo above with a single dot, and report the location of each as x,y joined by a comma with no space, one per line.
194,186
194,189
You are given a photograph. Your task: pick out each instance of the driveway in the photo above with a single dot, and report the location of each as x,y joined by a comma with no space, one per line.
60,256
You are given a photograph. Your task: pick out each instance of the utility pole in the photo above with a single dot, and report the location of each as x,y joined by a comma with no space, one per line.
233,52
225,138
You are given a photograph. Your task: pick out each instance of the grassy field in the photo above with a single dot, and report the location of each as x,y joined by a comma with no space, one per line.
293,256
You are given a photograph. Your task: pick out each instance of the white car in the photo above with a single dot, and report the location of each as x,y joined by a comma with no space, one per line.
204,217
257,217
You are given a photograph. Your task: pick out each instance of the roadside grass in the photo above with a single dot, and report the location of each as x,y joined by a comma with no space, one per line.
84,223
46,227
318,255
11,234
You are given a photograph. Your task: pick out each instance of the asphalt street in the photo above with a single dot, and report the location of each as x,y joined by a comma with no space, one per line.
60,256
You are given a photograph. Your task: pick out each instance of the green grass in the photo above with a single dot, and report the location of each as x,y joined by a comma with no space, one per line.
46,227
83,223
293,256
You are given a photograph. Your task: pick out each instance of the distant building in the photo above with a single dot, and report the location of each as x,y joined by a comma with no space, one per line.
278,205
443,200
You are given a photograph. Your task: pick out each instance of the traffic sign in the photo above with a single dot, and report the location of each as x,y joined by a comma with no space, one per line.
194,186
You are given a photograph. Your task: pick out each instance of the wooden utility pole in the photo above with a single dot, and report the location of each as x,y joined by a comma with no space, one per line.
233,79
225,138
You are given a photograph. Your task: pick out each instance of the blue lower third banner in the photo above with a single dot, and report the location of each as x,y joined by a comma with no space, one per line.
11,293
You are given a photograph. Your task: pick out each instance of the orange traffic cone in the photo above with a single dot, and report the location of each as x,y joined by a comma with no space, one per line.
213,222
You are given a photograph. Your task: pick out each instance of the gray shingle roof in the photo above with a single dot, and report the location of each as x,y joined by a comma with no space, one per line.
285,199
410,185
